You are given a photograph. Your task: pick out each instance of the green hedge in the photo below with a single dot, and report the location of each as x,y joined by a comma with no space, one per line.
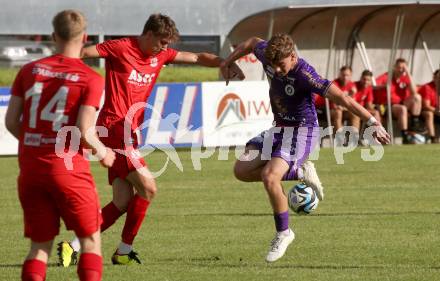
168,74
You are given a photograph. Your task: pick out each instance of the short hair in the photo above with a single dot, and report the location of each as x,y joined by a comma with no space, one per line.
68,24
436,72
279,47
400,60
162,26
345,67
366,72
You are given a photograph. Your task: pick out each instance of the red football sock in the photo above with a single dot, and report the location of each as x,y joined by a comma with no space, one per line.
110,213
90,267
137,208
33,270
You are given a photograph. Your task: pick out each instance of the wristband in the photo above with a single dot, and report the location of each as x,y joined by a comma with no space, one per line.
371,121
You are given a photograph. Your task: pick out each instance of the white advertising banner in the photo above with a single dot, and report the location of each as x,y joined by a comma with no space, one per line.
235,113
252,68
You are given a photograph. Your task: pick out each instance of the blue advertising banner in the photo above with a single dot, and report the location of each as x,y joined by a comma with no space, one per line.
5,95
173,116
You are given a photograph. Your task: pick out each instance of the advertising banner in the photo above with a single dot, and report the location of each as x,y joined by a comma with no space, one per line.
235,113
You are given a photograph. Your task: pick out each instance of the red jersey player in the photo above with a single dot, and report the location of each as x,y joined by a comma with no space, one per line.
404,98
47,95
132,67
364,96
430,104
344,83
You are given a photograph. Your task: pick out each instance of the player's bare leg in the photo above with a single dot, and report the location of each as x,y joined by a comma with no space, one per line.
429,122
40,251
272,174
123,192
90,262
337,115
249,166
34,267
400,112
145,187
414,105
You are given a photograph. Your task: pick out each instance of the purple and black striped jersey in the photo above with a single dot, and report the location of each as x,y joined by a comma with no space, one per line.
291,96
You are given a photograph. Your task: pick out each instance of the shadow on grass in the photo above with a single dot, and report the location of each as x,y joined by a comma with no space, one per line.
215,262
353,214
20,265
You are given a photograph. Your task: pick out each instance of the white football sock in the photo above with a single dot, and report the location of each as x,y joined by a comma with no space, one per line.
75,244
124,249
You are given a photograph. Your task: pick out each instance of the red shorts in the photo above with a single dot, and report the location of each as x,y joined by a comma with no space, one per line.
46,198
128,157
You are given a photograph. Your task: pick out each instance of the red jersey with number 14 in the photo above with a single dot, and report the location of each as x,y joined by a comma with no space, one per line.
53,89
130,77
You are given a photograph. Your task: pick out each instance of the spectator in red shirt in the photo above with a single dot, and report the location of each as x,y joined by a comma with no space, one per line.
364,96
430,104
404,97
344,83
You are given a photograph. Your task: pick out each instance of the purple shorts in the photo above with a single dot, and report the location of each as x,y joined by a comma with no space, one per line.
292,144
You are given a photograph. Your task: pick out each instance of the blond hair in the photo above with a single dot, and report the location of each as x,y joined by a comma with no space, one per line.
69,24
279,47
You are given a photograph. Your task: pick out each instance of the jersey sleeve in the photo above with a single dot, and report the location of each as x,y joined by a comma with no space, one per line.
94,91
316,82
170,55
110,48
259,51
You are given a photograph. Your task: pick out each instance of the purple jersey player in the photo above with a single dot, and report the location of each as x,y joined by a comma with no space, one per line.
281,152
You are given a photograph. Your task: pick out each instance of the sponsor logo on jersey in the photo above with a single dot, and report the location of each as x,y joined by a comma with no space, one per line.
32,139
74,77
290,90
153,62
140,79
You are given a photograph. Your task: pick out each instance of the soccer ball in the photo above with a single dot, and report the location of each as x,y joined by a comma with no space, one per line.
302,199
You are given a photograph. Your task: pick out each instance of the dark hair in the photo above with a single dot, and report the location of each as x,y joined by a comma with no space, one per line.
162,26
68,24
436,72
400,60
366,72
345,67
279,47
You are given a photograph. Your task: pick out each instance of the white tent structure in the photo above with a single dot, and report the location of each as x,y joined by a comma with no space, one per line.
363,37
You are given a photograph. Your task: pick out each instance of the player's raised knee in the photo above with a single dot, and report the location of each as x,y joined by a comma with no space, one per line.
239,171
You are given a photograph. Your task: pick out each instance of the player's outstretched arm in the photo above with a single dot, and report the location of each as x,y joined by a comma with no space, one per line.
90,52
89,138
337,96
13,115
244,48
209,60
412,85
241,50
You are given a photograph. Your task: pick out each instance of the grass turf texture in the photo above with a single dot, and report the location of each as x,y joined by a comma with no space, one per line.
379,221
168,74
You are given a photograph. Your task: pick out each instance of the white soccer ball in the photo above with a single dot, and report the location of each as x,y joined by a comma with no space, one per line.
302,199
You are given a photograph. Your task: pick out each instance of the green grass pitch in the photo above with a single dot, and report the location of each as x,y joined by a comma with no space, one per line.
379,221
